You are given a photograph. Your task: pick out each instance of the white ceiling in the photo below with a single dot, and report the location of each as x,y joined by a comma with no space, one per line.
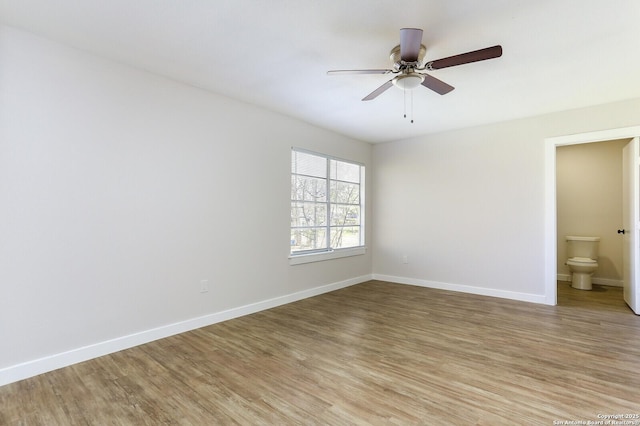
558,54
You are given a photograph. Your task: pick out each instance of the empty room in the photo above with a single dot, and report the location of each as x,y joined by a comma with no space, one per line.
297,212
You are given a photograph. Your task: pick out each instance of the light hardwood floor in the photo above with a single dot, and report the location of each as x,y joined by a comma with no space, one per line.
374,353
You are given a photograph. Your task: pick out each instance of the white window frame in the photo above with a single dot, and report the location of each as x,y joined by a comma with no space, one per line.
333,253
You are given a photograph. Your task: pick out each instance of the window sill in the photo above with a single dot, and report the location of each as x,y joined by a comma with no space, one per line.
299,259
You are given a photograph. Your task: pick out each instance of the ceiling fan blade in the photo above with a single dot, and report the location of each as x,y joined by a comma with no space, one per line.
436,85
338,72
465,58
378,91
410,39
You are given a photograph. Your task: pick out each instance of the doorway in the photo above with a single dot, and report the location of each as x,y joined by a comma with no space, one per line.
551,255
589,203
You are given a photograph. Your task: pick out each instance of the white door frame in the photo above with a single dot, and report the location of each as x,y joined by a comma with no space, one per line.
550,209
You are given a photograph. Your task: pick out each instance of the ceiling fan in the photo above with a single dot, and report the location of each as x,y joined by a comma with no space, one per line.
408,63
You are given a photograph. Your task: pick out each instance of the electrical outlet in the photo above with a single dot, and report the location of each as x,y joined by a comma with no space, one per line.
405,259
204,286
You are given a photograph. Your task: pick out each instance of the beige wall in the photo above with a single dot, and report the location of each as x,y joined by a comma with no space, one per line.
589,203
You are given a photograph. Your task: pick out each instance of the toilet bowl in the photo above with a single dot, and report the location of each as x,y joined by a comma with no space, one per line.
582,268
582,260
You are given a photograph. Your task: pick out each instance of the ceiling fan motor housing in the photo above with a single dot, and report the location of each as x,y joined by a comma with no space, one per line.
399,64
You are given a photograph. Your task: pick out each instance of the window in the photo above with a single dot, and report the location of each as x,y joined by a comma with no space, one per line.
327,203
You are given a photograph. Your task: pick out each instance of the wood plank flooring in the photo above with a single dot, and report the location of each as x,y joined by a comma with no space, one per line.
374,353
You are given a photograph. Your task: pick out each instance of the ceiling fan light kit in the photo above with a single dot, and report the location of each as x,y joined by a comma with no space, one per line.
407,60
408,81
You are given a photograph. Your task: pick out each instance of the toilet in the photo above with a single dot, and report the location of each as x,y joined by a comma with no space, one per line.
582,259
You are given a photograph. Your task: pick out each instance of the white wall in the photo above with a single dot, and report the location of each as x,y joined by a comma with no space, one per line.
467,207
589,203
121,190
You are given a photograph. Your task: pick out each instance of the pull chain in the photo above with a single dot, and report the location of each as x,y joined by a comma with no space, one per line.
404,100
412,107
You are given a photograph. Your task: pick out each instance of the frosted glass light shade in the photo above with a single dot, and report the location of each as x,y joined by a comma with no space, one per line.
408,81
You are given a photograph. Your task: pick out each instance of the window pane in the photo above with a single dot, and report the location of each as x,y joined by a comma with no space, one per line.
345,193
308,214
326,198
343,237
308,188
308,239
343,215
308,164
341,170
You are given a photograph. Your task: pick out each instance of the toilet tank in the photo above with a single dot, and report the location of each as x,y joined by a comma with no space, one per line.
582,247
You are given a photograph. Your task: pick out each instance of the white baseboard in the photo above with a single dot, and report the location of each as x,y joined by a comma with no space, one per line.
483,291
595,280
32,368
